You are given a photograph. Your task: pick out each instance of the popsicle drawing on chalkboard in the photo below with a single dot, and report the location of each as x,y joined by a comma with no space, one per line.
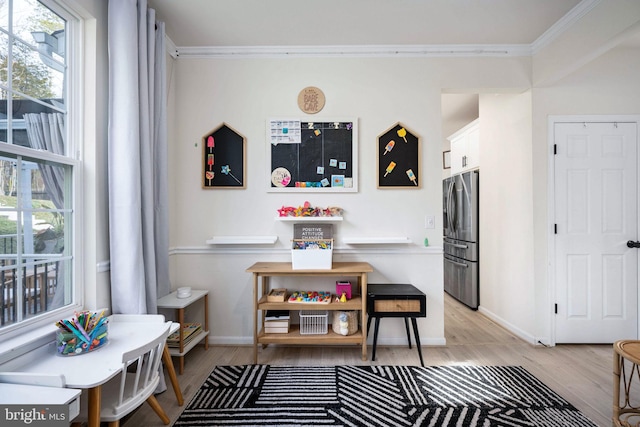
390,168
209,174
412,176
389,147
402,133
394,157
223,148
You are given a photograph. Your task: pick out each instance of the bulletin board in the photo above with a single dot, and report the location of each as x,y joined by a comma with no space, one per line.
223,158
312,156
398,154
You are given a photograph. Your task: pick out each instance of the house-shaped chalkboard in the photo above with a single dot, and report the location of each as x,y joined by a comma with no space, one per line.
398,154
223,159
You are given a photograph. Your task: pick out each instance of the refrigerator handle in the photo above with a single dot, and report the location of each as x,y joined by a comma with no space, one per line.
456,245
452,206
459,264
448,206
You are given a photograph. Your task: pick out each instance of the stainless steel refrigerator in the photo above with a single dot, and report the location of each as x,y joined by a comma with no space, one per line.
461,238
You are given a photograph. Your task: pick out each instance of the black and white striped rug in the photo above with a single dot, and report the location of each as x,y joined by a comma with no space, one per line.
261,395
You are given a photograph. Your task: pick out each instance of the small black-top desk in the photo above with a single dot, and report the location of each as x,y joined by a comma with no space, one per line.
396,300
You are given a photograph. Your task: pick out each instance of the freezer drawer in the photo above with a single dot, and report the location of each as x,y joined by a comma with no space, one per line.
461,249
461,280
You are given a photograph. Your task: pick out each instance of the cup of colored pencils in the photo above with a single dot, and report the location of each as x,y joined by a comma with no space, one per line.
85,332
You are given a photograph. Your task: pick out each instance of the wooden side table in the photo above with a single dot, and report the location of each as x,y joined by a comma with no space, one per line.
626,361
396,300
172,301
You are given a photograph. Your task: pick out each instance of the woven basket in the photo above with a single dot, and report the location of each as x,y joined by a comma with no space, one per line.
352,321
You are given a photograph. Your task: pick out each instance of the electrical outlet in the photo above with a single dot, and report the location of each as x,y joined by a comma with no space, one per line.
429,221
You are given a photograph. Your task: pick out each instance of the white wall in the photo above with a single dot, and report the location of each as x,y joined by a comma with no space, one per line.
507,287
245,93
380,92
607,86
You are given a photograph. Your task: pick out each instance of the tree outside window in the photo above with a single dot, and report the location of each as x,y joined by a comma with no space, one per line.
35,174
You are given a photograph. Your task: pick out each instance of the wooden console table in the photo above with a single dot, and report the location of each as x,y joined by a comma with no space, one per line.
265,270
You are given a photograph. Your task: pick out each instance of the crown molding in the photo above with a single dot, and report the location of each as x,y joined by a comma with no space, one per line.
563,24
372,51
360,51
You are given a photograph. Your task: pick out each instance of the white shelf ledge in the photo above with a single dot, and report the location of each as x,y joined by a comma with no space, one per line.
376,240
309,218
242,240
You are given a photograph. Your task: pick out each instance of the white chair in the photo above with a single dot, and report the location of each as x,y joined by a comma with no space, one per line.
135,384
166,356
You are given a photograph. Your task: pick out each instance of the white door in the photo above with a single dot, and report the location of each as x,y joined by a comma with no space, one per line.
596,199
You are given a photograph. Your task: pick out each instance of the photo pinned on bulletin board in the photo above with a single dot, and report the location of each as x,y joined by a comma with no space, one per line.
398,155
312,156
223,158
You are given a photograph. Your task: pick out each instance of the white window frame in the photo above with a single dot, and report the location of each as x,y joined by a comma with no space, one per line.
43,324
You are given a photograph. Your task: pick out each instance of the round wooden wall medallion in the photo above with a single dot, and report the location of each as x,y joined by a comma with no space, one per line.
311,100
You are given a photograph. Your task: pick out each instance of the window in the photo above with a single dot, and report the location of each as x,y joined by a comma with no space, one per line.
37,170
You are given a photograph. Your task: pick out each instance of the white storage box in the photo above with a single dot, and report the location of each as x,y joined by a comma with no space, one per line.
313,322
312,247
312,259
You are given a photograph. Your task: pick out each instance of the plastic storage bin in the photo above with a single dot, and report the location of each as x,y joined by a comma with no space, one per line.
313,322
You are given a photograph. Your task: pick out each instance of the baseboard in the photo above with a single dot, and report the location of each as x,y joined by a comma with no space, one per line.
400,341
218,340
508,326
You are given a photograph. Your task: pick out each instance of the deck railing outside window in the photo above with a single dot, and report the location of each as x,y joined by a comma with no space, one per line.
28,290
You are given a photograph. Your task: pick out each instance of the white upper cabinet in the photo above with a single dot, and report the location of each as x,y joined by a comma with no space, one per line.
465,148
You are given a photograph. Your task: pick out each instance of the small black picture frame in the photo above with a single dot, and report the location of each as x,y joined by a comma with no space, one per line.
398,153
446,160
223,158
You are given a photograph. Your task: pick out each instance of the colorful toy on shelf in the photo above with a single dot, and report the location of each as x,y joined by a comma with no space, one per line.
310,297
286,210
306,210
343,288
344,323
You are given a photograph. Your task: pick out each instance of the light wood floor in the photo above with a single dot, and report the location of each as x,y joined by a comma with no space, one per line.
582,374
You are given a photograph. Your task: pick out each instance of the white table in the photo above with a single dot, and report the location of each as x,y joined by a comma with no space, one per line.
20,394
91,370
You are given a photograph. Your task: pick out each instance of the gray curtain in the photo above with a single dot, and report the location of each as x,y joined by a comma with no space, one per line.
45,131
138,219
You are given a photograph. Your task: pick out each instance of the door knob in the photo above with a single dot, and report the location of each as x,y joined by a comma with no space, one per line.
632,244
